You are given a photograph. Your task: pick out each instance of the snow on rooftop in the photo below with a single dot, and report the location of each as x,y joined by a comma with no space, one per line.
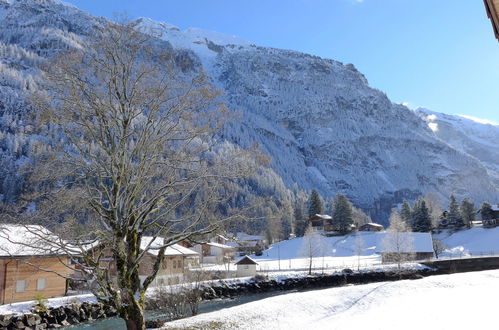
324,216
158,242
218,245
246,237
28,240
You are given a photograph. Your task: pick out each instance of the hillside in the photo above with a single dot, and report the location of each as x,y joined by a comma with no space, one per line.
371,243
319,120
473,241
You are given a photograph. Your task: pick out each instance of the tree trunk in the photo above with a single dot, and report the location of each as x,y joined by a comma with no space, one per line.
134,317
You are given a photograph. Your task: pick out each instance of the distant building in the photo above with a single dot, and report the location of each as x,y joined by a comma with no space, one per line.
175,263
247,244
371,226
29,263
174,266
494,221
420,247
246,267
321,222
324,223
214,253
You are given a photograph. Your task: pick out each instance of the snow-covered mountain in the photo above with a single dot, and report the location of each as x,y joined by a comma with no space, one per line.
318,119
476,137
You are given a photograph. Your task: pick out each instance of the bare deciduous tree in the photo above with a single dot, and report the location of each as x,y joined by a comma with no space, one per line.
398,244
314,245
358,247
438,246
132,154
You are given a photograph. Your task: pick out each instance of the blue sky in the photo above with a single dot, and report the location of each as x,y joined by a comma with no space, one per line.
440,54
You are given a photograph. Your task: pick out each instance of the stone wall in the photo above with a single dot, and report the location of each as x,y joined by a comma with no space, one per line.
57,317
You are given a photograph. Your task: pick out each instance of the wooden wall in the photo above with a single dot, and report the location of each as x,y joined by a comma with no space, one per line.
13,270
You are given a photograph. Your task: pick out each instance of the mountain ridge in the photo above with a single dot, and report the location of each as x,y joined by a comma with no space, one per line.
320,121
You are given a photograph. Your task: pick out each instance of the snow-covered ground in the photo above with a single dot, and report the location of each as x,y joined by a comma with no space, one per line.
330,254
474,241
458,301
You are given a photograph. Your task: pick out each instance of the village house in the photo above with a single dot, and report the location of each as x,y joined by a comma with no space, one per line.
214,253
248,244
413,246
30,264
321,222
371,226
324,223
174,266
494,221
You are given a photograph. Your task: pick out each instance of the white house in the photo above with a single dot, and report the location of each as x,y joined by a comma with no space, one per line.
214,253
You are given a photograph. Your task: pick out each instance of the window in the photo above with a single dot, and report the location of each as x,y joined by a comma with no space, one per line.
41,284
179,265
174,264
21,286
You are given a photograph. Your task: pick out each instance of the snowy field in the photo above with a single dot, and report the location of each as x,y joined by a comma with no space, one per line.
330,254
472,242
458,301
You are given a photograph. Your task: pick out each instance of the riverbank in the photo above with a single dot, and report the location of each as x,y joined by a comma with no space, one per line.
76,312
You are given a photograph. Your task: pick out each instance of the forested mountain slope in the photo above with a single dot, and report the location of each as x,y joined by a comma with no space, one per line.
319,120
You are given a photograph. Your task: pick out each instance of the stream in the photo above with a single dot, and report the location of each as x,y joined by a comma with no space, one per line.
207,306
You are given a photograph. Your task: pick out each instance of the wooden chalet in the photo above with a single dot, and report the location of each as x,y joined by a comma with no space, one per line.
494,217
492,8
321,222
371,226
30,264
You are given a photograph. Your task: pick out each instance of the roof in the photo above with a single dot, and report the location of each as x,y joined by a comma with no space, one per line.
172,250
492,8
246,261
495,207
421,242
218,245
28,240
245,237
321,216
372,224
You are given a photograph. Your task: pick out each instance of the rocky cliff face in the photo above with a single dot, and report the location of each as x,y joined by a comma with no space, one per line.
318,119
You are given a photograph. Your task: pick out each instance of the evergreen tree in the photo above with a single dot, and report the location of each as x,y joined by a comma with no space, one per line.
300,221
467,211
454,216
315,204
342,213
421,220
406,213
486,211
